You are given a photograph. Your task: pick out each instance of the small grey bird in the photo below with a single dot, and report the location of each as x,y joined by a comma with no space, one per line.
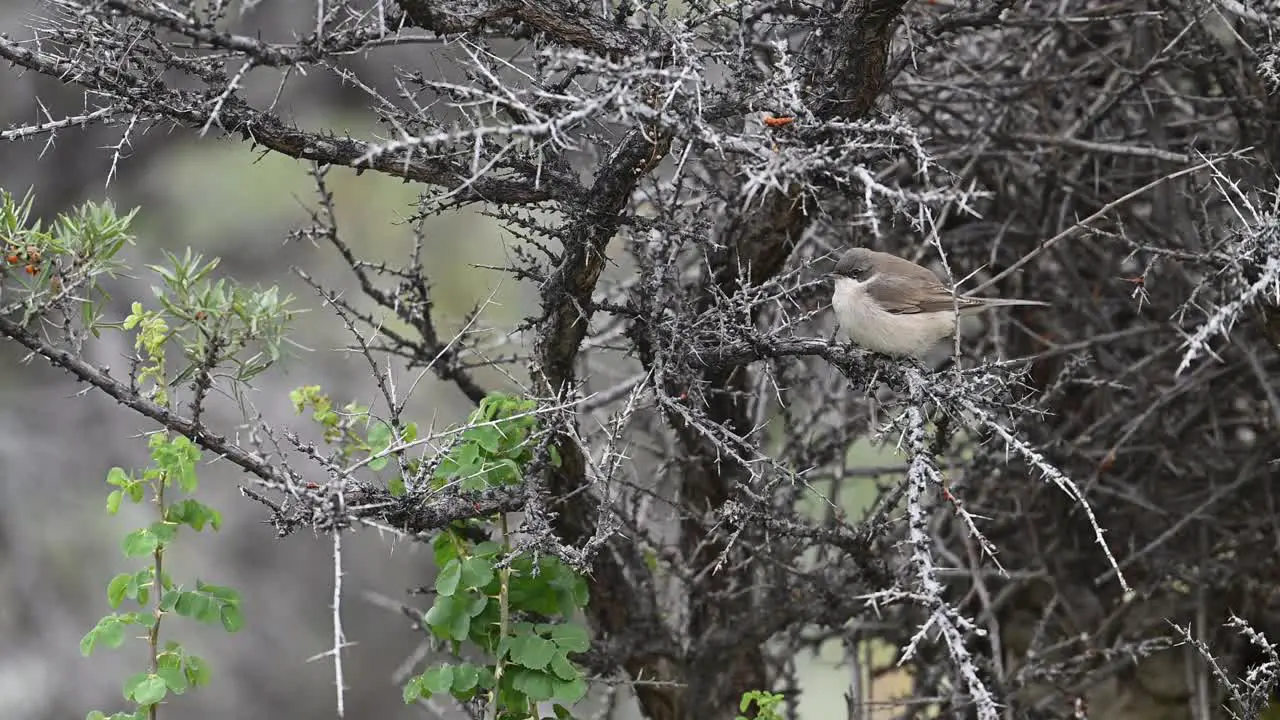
893,306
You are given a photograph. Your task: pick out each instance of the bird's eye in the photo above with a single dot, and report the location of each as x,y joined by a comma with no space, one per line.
854,268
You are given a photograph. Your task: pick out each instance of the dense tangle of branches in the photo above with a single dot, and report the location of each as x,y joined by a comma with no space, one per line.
1062,516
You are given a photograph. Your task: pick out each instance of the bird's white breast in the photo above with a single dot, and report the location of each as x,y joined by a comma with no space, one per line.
865,323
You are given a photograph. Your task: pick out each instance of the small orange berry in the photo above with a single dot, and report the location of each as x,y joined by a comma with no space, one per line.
13,259
31,269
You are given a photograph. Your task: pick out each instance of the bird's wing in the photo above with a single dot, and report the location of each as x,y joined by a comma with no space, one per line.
906,268
908,296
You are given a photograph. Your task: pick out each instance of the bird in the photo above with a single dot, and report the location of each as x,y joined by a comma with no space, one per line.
890,305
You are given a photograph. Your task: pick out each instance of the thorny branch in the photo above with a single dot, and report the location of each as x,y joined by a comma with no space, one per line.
1102,156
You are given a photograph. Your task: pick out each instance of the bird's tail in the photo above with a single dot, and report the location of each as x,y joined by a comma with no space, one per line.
982,303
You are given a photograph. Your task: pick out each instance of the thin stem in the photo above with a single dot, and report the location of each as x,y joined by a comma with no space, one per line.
504,618
339,636
157,587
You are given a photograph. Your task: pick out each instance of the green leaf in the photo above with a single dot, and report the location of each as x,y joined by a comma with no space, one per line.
517,634
505,472
379,437
570,637
563,669
444,472
466,677
466,455
232,620
443,548
178,458
88,642
113,501
174,679
487,437
474,480
514,704
533,594
488,549
192,605
447,580
460,628
117,588
536,685
140,585
109,631
412,691
476,602
477,572
177,513
438,679
186,476
118,477
489,406
197,671
164,532
511,645
170,657
221,592
448,618
145,689
571,691
534,652
139,542
135,316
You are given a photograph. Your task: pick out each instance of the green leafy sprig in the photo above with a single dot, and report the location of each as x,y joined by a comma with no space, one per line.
151,588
